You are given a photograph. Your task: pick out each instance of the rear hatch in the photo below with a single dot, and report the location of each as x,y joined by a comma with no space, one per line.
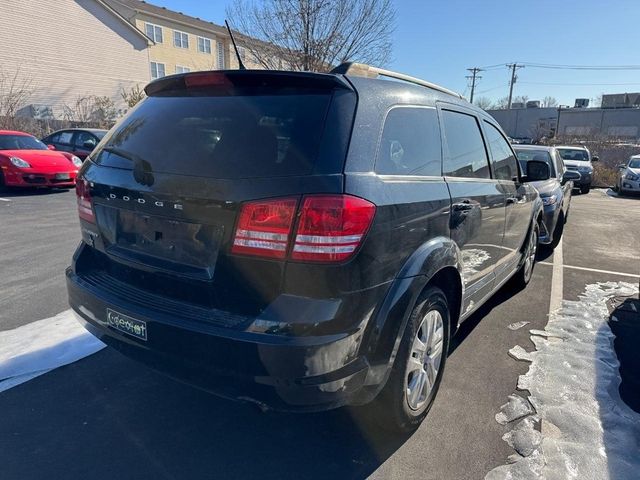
168,182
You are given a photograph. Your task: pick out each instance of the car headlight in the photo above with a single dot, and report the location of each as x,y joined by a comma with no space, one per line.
76,161
631,176
587,169
550,200
18,162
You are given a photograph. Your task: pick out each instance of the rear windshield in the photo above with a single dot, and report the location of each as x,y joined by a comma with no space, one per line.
524,155
238,136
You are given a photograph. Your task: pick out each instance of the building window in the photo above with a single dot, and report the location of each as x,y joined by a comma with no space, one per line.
180,69
157,70
154,32
221,64
180,39
204,45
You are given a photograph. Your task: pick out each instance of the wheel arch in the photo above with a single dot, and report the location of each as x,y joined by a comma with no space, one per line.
437,262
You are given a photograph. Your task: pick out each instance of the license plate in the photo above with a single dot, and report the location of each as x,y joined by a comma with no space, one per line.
62,176
126,324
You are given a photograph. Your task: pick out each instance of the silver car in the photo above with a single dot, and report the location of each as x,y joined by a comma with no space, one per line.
629,176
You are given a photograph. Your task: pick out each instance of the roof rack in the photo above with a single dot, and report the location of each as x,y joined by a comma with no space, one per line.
364,70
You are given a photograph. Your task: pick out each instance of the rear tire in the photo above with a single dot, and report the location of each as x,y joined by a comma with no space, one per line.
585,190
417,370
523,276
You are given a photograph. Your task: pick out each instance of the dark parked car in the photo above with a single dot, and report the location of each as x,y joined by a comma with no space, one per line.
554,192
300,240
79,141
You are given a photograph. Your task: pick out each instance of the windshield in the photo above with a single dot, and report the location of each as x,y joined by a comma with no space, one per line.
634,163
540,155
577,154
100,135
20,142
237,136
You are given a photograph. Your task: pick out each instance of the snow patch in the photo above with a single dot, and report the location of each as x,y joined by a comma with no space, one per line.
519,353
516,325
516,408
38,347
587,431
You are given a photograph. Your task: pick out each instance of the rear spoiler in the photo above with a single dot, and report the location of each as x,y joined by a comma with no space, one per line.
224,79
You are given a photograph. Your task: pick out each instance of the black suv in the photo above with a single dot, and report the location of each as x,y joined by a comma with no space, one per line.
300,240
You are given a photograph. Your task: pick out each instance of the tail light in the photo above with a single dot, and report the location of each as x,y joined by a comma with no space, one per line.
264,227
330,228
83,193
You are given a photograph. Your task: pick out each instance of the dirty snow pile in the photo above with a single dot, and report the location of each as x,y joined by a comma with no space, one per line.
585,430
38,347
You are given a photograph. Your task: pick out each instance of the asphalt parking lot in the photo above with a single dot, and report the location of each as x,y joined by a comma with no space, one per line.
108,417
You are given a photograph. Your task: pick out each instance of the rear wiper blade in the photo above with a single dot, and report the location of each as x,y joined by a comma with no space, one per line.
121,153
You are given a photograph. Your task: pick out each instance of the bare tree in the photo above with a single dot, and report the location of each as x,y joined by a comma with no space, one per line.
549,101
15,91
483,103
91,110
132,96
314,35
501,103
521,99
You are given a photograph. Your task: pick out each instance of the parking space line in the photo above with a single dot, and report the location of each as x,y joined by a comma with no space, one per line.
557,287
5,200
596,270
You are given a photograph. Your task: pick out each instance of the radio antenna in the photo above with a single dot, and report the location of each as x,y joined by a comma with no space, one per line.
235,47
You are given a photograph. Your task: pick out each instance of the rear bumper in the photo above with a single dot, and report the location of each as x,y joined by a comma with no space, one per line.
284,373
15,178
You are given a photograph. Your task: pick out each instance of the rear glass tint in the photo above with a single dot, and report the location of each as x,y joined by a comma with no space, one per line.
237,136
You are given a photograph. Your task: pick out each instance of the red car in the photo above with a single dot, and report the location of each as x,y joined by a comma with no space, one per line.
27,162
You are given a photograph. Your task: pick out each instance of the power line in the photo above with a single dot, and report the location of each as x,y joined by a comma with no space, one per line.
581,67
578,84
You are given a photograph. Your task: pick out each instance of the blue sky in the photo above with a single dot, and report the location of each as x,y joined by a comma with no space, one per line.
439,40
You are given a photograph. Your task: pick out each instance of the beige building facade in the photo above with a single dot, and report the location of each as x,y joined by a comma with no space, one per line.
180,43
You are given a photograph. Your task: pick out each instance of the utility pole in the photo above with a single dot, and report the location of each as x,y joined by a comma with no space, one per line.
513,67
474,75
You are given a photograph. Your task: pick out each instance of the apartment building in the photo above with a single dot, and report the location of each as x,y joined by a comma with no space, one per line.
180,43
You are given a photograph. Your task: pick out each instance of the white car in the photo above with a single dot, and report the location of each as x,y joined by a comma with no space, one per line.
629,176
579,159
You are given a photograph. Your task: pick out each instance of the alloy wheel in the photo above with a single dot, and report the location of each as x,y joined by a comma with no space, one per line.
425,360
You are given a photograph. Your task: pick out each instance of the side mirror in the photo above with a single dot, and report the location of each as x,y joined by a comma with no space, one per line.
89,145
51,147
537,171
595,158
622,165
570,175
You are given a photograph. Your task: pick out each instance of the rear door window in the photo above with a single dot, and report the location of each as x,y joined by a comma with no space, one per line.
410,143
504,160
231,136
466,153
